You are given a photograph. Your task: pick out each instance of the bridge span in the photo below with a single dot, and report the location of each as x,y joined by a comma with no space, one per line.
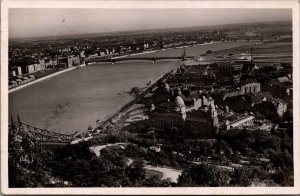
40,135
153,59
128,58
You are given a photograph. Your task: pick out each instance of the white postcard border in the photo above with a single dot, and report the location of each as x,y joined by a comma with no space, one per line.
5,5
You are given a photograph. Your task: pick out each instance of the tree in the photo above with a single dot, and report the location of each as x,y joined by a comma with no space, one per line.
135,173
27,161
204,175
235,158
242,176
279,177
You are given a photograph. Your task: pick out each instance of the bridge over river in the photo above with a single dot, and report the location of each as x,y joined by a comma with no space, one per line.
42,136
153,59
183,57
128,58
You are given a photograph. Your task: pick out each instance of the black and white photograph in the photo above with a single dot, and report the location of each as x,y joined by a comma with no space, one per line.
128,95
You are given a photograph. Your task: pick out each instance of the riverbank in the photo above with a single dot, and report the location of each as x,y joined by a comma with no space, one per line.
118,114
128,105
86,96
42,79
121,56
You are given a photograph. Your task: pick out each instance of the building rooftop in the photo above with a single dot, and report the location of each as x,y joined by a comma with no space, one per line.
259,97
249,81
283,79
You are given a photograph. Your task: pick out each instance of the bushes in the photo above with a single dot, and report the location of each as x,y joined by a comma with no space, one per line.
282,159
242,177
77,151
255,140
115,137
203,175
27,161
283,177
78,165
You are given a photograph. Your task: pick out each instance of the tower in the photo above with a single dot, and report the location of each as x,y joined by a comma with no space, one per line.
214,117
184,54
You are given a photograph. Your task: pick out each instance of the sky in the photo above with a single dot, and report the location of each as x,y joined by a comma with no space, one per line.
36,22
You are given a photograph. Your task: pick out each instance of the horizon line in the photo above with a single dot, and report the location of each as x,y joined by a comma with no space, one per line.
120,31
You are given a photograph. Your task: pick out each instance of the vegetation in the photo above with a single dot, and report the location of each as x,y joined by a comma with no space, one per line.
28,161
31,166
203,175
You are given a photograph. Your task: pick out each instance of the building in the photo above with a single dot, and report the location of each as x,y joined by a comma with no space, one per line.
196,123
284,91
54,62
241,103
237,67
12,73
196,75
19,71
30,68
272,108
42,64
48,63
281,81
249,67
15,71
247,87
38,67
75,60
233,120
199,120
250,86
69,61
194,79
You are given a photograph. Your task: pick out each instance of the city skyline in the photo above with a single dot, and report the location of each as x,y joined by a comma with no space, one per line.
57,22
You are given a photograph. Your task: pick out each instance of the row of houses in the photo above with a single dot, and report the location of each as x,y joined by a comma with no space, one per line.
247,86
15,71
62,62
40,66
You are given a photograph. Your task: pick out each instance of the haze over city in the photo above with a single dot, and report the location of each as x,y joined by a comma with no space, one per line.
56,22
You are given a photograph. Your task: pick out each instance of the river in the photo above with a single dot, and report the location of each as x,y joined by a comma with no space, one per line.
75,100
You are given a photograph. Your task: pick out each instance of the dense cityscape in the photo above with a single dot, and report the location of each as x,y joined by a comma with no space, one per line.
221,118
30,59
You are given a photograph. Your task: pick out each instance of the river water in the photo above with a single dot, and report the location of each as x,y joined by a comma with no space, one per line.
75,100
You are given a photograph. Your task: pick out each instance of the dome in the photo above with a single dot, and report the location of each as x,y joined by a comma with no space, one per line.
179,102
